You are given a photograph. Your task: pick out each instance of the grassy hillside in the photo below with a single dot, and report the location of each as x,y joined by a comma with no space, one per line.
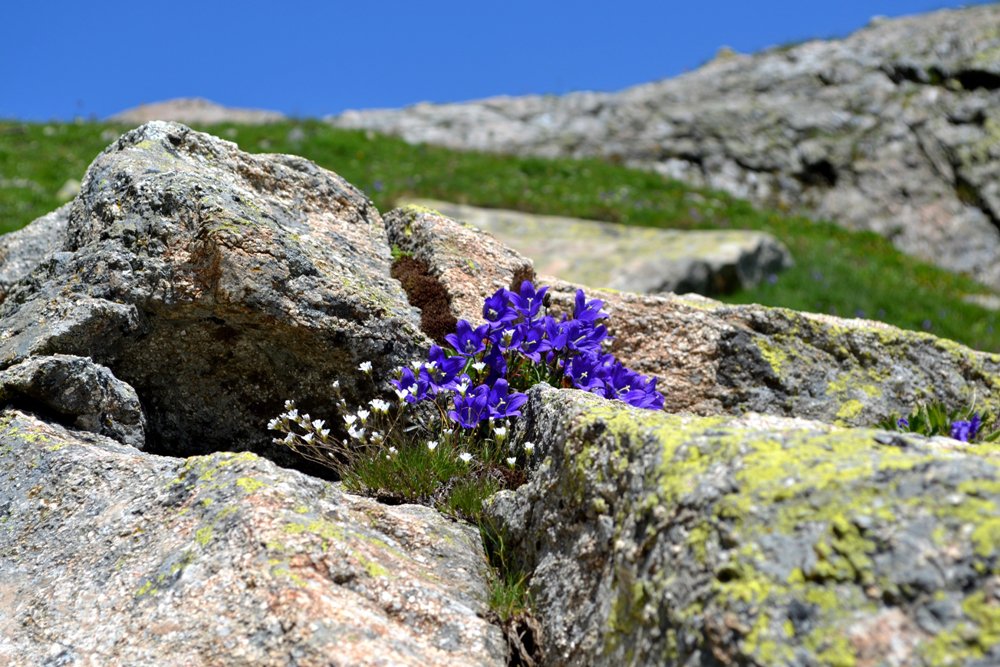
838,272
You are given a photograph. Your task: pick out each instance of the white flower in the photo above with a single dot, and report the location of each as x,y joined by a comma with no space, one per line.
462,388
378,405
273,424
447,431
511,461
356,433
479,366
289,405
465,456
432,445
292,414
308,437
335,385
416,365
289,438
500,431
377,437
363,415
350,419
318,424
529,448
392,450
402,393
325,432
365,367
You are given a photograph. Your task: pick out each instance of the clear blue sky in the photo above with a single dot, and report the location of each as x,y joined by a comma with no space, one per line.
60,59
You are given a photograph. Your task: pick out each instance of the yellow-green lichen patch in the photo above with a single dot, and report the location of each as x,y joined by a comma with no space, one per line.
249,484
203,536
775,355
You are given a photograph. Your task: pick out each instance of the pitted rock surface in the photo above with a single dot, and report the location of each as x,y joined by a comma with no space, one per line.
655,539
216,283
895,129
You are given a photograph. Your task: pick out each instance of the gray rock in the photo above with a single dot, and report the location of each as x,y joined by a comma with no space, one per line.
216,283
893,129
658,539
78,392
22,251
641,260
195,111
115,557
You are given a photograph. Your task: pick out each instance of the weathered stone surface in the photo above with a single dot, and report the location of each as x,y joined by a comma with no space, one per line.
78,392
214,282
895,129
114,557
641,260
712,358
194,110
22,251
657,539
467,263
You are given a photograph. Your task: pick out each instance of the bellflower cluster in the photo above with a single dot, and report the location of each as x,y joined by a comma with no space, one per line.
519,345
966,430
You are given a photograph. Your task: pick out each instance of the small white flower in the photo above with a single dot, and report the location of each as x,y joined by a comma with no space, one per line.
350,419
430,365
273,425
363,415
511,461
379,406
377,437
325,432
289,438
500,432
308,438
432,445
392,450
465,456
479,366
462,388
529,448
335,384
292,414
447,431
402,393
318,424
365,367
416,365
356,433
289,405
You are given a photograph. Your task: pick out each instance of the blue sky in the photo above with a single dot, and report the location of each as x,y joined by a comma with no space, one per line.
310,58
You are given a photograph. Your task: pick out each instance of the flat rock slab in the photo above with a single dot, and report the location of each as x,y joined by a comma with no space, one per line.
109,556
657,539
642,260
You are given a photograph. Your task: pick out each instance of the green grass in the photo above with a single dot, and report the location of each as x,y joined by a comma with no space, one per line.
837,271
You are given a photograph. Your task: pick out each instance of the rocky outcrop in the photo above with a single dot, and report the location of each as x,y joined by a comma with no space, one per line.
195,111
641,260
894,129
657,539
109,556
215,283
712,358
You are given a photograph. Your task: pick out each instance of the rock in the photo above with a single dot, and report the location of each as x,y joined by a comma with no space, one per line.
216,283
115,557
893,129
22,251
195,111
468,264
69,189
656,539
78,391
642,260
711,358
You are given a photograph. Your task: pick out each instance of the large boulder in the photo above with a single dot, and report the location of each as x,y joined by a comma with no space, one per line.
109,556
216,283
642,260
895,129
658,539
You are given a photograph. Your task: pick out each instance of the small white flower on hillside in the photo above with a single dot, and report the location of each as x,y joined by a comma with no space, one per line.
529,448
335,385
447,432
289,405
356,433
308,438
462,388
500,432
289,438
377,437
363,415
392,450
511,461
273,424
292,414
402,393
379,406
465,456
350,419
416,365
365,367
318,424
432,445
325,432
479,366
431,365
